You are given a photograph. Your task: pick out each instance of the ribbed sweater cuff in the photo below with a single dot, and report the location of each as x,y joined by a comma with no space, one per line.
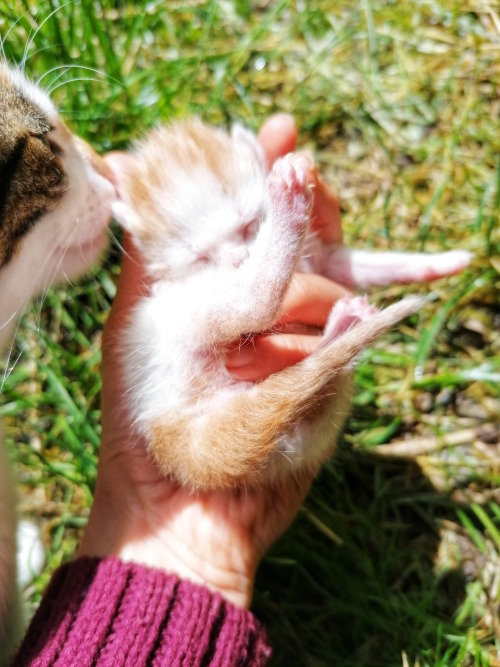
109,613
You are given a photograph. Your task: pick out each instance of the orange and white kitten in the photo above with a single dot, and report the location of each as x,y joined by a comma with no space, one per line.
55,199
221,239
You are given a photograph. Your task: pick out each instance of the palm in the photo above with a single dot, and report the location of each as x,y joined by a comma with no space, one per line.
217,537
214,538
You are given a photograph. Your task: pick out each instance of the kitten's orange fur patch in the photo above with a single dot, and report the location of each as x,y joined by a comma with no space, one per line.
186,196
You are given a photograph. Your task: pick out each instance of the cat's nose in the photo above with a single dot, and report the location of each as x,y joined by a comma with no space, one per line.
119,162
97,163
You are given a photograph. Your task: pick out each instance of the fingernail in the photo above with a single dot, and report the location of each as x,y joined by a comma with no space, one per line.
241,357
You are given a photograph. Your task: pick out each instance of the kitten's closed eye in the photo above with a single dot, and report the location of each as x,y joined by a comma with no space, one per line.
250,230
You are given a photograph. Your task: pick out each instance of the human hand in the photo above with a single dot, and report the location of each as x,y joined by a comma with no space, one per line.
217,538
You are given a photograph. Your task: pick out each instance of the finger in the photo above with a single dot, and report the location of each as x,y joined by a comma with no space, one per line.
132,285
325,217
309,300
278,136
132,276
266,355
132,282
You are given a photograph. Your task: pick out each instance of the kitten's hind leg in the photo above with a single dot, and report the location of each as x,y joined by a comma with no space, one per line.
247,298
237,441
361,268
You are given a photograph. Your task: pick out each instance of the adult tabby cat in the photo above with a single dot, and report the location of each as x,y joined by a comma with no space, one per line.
55,197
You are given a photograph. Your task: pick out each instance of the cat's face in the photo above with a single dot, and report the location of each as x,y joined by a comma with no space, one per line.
55,194
200,190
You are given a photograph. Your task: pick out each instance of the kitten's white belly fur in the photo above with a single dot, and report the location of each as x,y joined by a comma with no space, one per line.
163,357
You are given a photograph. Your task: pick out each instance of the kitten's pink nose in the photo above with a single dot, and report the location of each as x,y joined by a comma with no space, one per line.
236,256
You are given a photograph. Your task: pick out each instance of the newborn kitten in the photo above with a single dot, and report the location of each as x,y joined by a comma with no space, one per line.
55,198
221,239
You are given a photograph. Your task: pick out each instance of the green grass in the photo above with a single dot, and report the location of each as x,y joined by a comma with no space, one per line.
395,559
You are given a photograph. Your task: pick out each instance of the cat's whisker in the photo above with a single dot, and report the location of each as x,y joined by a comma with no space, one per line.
43,291
58,261
64,69
8,321
80,78
54,260
57,78
9,367
284,455
32,288
33,36
11,28
119,245
247,339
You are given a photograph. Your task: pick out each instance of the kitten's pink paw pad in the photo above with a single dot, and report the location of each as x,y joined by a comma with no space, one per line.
346,313
288,185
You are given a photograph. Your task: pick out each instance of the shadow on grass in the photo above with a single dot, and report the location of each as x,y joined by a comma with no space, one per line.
363,602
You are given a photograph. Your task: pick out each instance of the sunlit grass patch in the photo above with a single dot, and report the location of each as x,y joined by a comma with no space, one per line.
394,560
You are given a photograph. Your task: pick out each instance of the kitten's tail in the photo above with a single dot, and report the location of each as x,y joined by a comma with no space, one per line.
230,446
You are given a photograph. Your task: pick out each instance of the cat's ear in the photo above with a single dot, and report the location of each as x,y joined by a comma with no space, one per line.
244,136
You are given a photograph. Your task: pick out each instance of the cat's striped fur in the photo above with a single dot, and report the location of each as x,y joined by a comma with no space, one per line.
55,197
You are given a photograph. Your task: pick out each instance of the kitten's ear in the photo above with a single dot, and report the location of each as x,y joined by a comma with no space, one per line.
125,216
245,136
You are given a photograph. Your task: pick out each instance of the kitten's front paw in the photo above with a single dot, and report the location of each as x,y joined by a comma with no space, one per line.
289,187
346,313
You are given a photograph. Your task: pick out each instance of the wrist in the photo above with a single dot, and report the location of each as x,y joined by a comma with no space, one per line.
220,576
223,566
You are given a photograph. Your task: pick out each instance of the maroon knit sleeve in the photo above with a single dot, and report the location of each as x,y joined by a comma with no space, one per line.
109,613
